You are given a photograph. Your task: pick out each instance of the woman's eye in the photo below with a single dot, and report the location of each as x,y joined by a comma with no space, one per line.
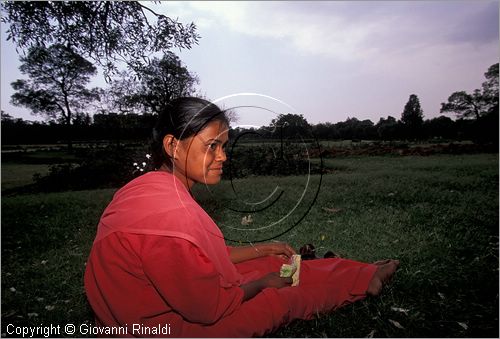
213,146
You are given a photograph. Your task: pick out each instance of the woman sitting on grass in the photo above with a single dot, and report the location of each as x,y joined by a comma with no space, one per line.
158,258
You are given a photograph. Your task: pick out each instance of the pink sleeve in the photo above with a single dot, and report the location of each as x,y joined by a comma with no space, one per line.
187,280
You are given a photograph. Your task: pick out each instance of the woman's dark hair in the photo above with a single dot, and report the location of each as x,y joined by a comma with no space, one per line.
183,118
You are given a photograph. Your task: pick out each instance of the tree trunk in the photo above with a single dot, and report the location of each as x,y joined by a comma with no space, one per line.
70,141
68,123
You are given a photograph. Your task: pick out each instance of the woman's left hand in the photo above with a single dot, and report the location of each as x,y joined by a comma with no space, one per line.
279,249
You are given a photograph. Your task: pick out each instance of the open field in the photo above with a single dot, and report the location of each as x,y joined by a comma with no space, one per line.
438,215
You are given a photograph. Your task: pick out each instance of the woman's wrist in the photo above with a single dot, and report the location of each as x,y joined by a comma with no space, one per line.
260,250
253,288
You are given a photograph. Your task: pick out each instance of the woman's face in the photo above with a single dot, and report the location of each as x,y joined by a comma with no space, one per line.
199,159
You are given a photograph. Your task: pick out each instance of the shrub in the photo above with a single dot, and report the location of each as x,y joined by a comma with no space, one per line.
112,166
269,159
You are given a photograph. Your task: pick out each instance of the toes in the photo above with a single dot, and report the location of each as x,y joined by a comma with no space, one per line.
331,254
386,261
385,272
375,287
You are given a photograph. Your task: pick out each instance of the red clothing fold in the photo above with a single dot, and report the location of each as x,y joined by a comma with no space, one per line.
158,258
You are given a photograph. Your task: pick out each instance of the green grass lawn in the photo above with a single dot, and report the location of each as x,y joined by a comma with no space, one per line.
438,215
15,175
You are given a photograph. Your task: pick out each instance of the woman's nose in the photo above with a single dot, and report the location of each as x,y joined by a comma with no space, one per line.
221,155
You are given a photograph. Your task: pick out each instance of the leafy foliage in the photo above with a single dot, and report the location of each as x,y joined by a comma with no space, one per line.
440,127
478,104
105,31
270,160
490,88
99,168
388,129
352,128
465,105
153,87
412,117
164,80
114,165
120,95
56,85
291,125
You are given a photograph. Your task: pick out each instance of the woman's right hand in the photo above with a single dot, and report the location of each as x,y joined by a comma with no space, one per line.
273,280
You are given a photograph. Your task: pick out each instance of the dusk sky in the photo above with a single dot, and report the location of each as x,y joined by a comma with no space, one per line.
327,60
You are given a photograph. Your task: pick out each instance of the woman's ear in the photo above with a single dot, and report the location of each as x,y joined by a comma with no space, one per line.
169,145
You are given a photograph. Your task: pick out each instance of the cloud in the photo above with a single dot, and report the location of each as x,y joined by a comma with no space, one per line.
351,31
314,33
479,26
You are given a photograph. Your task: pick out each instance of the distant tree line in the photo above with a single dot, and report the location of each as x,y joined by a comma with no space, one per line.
105,127
113,127
387,129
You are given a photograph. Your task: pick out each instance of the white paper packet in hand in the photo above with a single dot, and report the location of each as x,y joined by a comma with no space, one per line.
292,269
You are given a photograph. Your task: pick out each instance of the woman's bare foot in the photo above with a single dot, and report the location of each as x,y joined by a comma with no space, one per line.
384,273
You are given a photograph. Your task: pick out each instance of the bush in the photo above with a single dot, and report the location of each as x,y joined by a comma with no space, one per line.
269,159
112,166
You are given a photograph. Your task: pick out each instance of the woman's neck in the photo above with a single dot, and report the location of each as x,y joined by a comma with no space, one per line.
181,176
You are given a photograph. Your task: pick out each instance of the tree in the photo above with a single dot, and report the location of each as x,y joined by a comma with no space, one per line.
388,129
347,128
291,126
490,89
6,117
56,87
104,31
121,95
412,114
355,129
478,104
157,85
440,127
465,105
164,80
412,117
325,131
